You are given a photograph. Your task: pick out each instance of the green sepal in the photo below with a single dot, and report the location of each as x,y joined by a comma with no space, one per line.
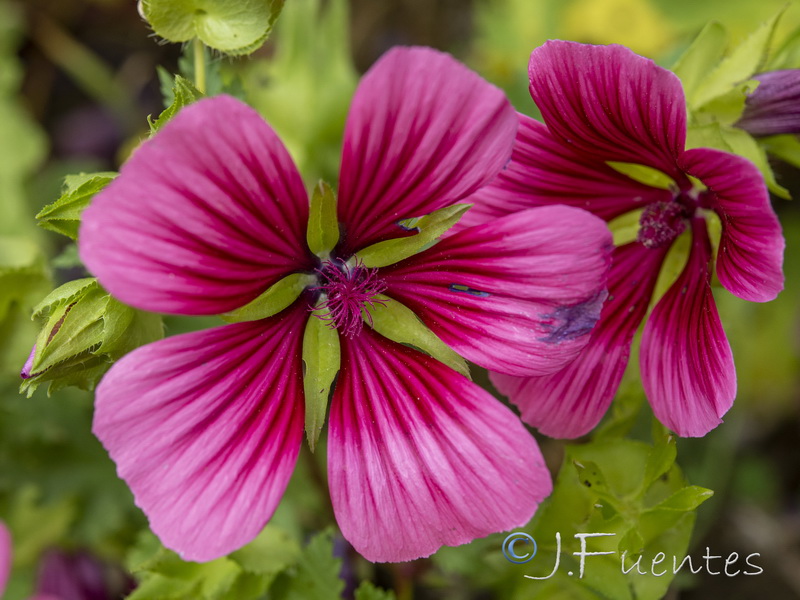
787,56
85,330
745,60
660,460
735,141
673,265
278,297
64,215
183,94
400,324
625,228
704,53
430,227
235,27
728,108
321,361
323,228
644,174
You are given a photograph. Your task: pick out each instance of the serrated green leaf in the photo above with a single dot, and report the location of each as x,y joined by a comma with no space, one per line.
64,215
429,227
323,227
787,56
231,26
701,57
685,499
745,60
368,591
278,297
727,109
397,322
321,362
271,552
644,174
784,147
625,228
183,94
316,575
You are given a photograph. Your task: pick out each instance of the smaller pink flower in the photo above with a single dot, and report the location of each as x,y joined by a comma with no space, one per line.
604,104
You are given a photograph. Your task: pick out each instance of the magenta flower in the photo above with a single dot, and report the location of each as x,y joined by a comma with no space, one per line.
5,557
206,427
605,104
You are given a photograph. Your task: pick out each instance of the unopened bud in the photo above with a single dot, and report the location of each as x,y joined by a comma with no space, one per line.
773,108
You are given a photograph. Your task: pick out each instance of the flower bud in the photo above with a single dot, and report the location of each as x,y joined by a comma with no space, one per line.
773,108
85,330
80,576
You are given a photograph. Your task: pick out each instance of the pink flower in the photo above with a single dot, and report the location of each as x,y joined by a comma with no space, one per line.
605,103
5,557
205,427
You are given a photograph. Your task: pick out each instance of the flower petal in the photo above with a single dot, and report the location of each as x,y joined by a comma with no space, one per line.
516,295
5,556
569,403
423,132
609,103
686,361
205,216
420,457
205,429
750,258
544,170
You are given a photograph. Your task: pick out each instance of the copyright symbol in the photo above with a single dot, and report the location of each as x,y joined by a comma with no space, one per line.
510,552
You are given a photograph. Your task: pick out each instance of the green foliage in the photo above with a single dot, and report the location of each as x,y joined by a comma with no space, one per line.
368,591
232,26
182,94
321,363
304,90
84,331
323,227
428,230
627,488
400,324
64,215
273,563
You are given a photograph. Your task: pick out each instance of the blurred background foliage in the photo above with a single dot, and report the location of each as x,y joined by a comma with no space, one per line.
77,82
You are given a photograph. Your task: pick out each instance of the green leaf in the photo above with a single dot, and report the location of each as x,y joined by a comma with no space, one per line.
745,60
323,227
64,215
727,109
321,361
315,576
183,94
644,174
278,297
784,147
686,499
270,553
787,56
368,591
659,460
429,228
400,324
701,57
231,26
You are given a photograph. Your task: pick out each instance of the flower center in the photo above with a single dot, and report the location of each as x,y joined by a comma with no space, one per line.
345,291
662,222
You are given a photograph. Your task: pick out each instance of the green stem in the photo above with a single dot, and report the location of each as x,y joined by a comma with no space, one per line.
199,66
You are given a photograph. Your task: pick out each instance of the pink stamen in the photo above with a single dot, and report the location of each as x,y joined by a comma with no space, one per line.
347,290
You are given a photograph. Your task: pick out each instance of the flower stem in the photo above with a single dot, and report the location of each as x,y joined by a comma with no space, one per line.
199,66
